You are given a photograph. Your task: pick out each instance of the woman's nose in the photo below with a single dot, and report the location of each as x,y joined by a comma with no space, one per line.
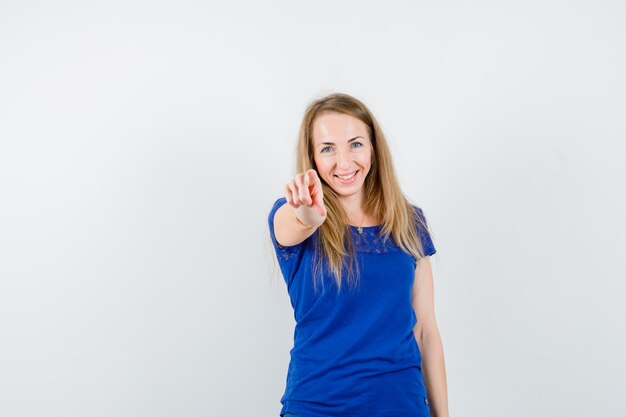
343,159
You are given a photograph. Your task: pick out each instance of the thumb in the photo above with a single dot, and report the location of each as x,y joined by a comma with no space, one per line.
314,180
312,175
317,193
307,186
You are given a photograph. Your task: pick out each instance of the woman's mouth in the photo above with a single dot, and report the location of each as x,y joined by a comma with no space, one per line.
347,179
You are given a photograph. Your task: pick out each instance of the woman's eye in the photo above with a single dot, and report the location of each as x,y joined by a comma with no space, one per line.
357,143
324,149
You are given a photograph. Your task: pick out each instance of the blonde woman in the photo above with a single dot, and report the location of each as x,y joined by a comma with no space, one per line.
354,253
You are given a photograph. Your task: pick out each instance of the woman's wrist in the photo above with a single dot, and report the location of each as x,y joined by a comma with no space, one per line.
305,225
309,217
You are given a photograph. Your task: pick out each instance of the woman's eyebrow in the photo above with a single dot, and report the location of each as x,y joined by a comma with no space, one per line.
332,143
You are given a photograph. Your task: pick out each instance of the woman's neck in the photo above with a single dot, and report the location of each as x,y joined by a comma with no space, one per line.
353,206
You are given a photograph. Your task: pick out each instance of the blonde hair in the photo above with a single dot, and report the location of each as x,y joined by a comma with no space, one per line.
383,198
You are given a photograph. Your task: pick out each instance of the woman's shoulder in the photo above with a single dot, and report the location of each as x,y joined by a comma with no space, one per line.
418,213
278,203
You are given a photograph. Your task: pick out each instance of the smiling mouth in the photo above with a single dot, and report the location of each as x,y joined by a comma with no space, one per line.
347,177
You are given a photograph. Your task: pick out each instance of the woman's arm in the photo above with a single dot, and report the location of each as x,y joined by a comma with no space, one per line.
288,229
304,211
428,339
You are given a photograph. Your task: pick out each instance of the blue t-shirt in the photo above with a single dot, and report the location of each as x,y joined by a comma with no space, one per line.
354,353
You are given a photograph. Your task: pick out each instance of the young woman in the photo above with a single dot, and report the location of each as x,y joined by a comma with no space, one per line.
354,253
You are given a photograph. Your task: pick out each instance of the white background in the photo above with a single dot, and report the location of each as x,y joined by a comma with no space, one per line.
142,144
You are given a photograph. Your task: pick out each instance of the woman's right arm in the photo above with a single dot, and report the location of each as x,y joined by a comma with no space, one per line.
304,212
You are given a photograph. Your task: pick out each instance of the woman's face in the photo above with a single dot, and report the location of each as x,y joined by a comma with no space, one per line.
342,148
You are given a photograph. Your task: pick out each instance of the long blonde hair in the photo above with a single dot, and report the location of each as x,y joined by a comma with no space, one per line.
383,197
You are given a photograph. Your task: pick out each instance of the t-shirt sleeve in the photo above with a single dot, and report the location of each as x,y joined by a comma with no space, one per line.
287,256
424,234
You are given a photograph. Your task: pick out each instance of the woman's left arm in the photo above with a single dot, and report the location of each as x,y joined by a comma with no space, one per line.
428,339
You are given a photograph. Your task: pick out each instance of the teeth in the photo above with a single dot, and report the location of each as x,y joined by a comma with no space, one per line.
347,177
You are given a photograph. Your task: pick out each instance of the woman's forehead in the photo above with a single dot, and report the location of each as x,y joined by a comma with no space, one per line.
338,127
